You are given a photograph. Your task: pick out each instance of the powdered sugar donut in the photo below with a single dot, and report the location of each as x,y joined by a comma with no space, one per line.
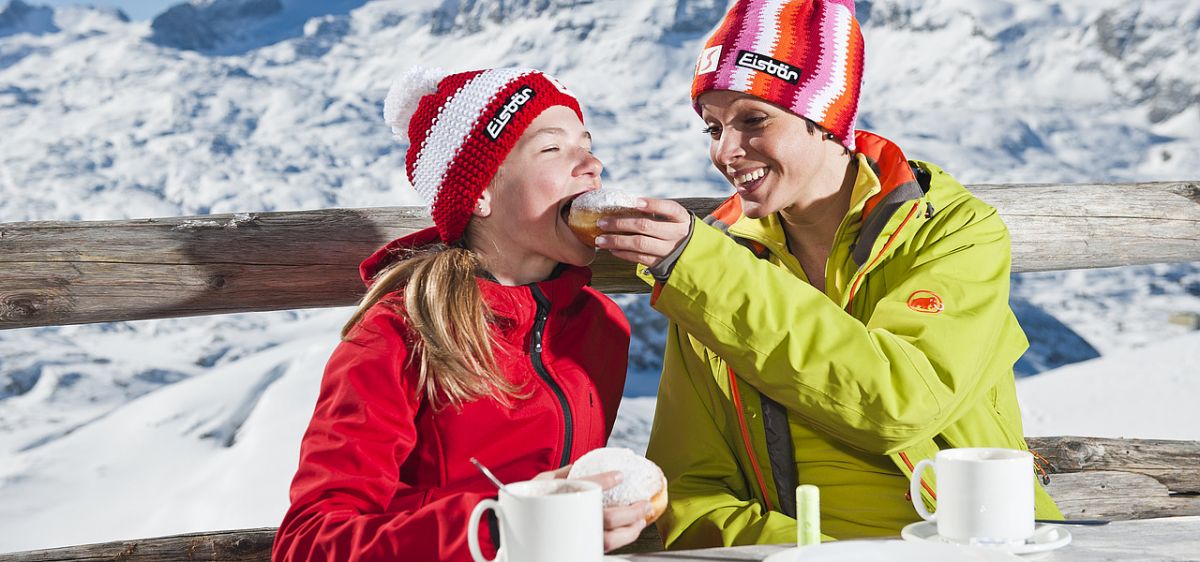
593,205
643,480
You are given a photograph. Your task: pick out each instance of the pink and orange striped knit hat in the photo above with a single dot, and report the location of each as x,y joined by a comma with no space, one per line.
460,127
803,55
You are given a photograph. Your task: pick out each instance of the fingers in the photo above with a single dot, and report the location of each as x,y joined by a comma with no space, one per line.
606,480
617,538
623,524
646,240
636,244
626,515
655,227
665,209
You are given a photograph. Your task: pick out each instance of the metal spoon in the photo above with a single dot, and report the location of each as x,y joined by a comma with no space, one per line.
489,475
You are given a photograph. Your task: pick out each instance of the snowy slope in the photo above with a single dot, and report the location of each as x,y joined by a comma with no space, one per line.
248,105
209,452
1148,392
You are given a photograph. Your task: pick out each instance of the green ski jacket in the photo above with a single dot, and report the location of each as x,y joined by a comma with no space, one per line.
915,354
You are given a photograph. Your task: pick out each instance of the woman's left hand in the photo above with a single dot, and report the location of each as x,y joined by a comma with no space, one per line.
622,524
646,240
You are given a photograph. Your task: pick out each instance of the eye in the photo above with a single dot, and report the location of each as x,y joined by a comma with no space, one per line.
755,120
713,131
551,148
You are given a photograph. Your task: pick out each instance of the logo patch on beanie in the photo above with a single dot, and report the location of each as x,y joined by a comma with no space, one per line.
709,59
925,301
774,67
506,112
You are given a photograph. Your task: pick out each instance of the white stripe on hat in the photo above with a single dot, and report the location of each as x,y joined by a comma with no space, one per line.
764,43
819,104
453,124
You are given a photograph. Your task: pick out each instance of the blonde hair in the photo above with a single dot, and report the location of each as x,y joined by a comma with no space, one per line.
445,309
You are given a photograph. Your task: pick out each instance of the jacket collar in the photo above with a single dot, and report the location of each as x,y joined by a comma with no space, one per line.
512,306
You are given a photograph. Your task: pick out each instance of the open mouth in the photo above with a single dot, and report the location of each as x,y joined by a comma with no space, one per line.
565,210
748,181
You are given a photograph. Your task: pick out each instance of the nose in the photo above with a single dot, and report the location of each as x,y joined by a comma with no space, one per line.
726,149
589,166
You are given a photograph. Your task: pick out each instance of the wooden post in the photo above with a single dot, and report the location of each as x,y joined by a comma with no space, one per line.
57,273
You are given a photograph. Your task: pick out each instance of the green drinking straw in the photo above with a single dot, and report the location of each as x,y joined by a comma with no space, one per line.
808,515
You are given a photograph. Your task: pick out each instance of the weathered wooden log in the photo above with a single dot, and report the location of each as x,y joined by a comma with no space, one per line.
57,273
1174,464
1116,495
240,545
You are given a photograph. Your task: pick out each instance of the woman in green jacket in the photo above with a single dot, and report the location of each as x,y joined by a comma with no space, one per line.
840,318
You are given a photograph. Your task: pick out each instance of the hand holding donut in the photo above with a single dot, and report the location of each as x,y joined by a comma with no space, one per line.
642,479
588,209
642,231
635,491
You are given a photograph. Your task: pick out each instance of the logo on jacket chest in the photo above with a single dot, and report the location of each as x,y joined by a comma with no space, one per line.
925,301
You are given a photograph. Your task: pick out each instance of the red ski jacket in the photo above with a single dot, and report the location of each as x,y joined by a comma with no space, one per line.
383,476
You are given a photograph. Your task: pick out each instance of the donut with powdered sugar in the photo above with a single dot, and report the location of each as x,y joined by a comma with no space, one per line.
594,205
642,479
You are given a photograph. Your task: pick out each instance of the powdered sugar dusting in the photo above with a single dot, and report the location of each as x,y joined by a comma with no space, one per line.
605,199
642,478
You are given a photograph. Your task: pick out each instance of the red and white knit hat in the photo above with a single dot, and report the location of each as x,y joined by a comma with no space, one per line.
803,55
460,128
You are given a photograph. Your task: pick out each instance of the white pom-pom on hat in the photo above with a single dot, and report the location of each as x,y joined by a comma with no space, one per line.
405,94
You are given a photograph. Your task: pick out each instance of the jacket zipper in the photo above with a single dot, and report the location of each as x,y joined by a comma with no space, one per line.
741,416
535,356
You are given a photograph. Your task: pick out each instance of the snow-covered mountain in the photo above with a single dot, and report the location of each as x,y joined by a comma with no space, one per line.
223,106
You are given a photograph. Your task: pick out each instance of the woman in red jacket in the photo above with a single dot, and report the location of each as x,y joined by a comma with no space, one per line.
478,337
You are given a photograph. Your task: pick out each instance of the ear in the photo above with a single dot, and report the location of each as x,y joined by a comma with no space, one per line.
483,207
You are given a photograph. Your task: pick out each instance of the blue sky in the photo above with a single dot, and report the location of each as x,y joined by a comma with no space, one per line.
135,9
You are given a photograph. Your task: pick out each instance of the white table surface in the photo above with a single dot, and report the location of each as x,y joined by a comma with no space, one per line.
1171,538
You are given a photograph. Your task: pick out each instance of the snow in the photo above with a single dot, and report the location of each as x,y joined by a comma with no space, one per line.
1148,392
115,431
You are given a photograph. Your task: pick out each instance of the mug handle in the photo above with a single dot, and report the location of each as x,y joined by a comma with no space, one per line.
914,489
473,529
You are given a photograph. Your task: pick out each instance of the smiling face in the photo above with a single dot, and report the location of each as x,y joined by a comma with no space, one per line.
768,154
521,221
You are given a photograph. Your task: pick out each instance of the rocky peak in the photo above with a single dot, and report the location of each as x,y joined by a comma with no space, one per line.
202,26
19,17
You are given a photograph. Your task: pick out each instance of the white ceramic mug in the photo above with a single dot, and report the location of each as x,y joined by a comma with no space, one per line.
984,496
544,521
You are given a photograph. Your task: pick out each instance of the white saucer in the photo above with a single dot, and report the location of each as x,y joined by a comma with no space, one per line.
1045,537
890,550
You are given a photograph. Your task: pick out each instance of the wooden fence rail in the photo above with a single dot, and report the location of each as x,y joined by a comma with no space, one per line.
1092,478
57,273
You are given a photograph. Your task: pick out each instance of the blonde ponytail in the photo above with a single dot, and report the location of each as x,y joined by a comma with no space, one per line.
445,309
